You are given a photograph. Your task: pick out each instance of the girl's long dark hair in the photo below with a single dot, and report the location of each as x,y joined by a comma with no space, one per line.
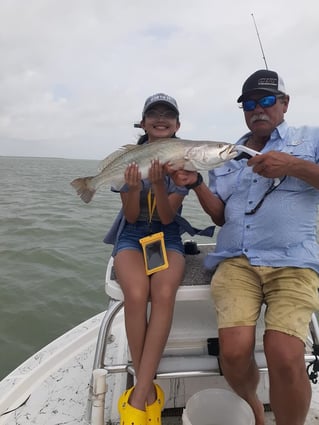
142,139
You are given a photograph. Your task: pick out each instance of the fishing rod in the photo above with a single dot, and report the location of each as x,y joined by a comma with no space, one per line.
260,44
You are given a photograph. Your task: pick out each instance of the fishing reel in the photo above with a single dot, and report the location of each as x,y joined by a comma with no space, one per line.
313,367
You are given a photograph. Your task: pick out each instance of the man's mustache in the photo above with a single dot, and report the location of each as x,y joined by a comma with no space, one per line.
259,117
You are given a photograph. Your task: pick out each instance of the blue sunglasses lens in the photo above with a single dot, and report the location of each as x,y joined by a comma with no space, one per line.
267,101
264,102
249,105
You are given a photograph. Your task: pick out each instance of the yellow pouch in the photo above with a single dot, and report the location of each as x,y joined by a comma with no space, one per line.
154,251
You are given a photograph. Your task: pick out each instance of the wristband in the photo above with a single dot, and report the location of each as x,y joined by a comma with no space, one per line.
197,183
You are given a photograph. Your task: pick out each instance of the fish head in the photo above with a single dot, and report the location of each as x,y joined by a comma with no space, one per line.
208,155
228,152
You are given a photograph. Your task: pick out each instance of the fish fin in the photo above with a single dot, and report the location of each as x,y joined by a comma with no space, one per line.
81,185
116,154
178,164
189,166
182,164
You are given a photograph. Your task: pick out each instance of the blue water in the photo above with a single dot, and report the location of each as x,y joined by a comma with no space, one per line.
52,258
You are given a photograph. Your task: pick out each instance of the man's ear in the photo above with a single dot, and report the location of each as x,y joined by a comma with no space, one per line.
285,101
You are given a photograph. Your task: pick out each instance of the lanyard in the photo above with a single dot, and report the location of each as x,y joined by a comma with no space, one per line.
151,205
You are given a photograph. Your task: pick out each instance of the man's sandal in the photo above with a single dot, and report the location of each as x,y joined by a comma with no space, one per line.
129,415
154,410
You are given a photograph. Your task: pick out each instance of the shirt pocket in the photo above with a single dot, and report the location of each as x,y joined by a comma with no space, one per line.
303,149
227,180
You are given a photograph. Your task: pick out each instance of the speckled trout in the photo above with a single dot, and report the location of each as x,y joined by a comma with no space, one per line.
178,153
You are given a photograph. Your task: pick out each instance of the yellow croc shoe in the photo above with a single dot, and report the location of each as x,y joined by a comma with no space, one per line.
154,410
129,415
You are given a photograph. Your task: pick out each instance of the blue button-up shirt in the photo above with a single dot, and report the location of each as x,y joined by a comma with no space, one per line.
283,231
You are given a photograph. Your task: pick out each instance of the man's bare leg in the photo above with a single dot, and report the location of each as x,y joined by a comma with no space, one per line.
239,366
290,389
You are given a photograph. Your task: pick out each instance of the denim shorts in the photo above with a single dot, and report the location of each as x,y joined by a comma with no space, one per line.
132,233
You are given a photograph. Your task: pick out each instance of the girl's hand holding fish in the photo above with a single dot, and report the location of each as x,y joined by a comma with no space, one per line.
133,177
156,172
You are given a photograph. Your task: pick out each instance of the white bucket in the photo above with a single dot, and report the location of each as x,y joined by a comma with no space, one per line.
216,406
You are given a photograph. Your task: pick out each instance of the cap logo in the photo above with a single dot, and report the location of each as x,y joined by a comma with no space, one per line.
267,82
159,97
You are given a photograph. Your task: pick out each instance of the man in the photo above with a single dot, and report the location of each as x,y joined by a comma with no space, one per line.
266,250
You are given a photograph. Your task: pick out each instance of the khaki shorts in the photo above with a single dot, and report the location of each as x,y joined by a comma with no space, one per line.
290,295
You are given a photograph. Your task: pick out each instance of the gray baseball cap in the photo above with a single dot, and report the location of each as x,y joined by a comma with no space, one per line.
160,98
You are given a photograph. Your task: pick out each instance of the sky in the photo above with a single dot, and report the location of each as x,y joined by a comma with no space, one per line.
74,74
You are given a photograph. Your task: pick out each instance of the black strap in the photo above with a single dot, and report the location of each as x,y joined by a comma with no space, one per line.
197,183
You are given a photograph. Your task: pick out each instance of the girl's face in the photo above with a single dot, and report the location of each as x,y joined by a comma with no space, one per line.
160,122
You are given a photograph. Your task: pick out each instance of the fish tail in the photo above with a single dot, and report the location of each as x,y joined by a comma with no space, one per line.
83,188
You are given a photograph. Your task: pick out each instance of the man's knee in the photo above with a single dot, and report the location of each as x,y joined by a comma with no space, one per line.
237,344
284,354
235,355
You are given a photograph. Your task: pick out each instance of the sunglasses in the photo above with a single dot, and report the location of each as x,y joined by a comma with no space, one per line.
154,114
264,102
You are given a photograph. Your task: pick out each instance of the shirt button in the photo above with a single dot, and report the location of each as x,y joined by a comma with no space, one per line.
250,202
255,180
248,226
245,250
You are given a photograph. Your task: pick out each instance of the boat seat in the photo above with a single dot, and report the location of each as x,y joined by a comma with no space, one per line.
193,295
195,285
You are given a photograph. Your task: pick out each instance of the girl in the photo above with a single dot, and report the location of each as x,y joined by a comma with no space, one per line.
149,207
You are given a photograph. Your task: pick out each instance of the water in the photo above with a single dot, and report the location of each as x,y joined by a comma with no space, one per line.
52,258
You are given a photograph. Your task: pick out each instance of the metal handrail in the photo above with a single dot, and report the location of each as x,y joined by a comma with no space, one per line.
98,362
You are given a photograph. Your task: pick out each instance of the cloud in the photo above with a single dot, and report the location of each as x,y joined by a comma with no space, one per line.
75,73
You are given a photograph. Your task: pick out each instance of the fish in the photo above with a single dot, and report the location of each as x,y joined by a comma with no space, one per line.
180,154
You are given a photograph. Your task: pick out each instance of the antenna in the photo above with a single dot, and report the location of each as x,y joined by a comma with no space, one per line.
261,46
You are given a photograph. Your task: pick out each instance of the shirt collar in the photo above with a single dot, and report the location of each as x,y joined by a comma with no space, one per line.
281,130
